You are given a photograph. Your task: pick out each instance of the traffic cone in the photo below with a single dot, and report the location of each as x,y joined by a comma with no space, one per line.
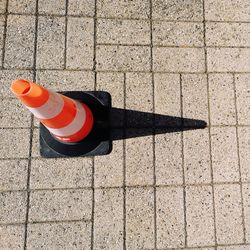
66,122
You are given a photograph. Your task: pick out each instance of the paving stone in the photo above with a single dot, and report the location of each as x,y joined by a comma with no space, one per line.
123,31
139,218
81,7
13,207
200,217
177,34
189,10
227,10
170,217
2,22
20,38
239,247
22,6
167,98
228,212
178,59
61,173
139,161
12,237
244,149
7,76
123,58
3,6
35,143
200,248
227,34
14,143
50,42
243,98
246,204
168,159
123,9
194,96
14,114
108,219
65,235
80,43
13,174
60,205
139,98
197,157
224,154
52,7
222,103
228,59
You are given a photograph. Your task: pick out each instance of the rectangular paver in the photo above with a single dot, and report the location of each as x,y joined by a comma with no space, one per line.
67,235
2,23
177,34
81,7
22,6
178,59
80,43
50,42
235,247
57,205
20,38
246,203
3,6
52,7
170,217
224,154
221,97
108,219
228,211
200,216
13,174
139,218
123,58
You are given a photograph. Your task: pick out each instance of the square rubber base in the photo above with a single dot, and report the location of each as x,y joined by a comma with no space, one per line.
98,142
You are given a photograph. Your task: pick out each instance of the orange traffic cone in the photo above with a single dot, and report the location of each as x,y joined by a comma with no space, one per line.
68,121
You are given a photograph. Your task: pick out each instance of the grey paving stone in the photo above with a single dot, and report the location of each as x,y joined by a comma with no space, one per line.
243,98
200,216
170,217
64,235
196,157
228,213
177,33
108,219
178,59
13,207
194,98
58,205
227,34
246,203
244,149
139,218
227,10
123,9
50,42
221,96
13,174
236,247
14,143
14,114
35,152
224,154
61,173
80,43
20,38
123,31
12,237
7,76
168,159
3,6
189,10
2,22
228,59
22,6
81,7
123,58
52,7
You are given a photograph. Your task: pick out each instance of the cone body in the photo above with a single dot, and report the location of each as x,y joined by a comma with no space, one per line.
67,120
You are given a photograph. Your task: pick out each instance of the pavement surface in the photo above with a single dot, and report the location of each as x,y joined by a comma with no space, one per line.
159,188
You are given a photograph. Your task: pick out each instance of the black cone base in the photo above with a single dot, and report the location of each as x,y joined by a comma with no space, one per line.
96,143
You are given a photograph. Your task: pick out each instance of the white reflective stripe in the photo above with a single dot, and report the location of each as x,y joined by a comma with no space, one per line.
50,109
75,125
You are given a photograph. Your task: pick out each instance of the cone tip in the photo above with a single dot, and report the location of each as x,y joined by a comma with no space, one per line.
20,87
